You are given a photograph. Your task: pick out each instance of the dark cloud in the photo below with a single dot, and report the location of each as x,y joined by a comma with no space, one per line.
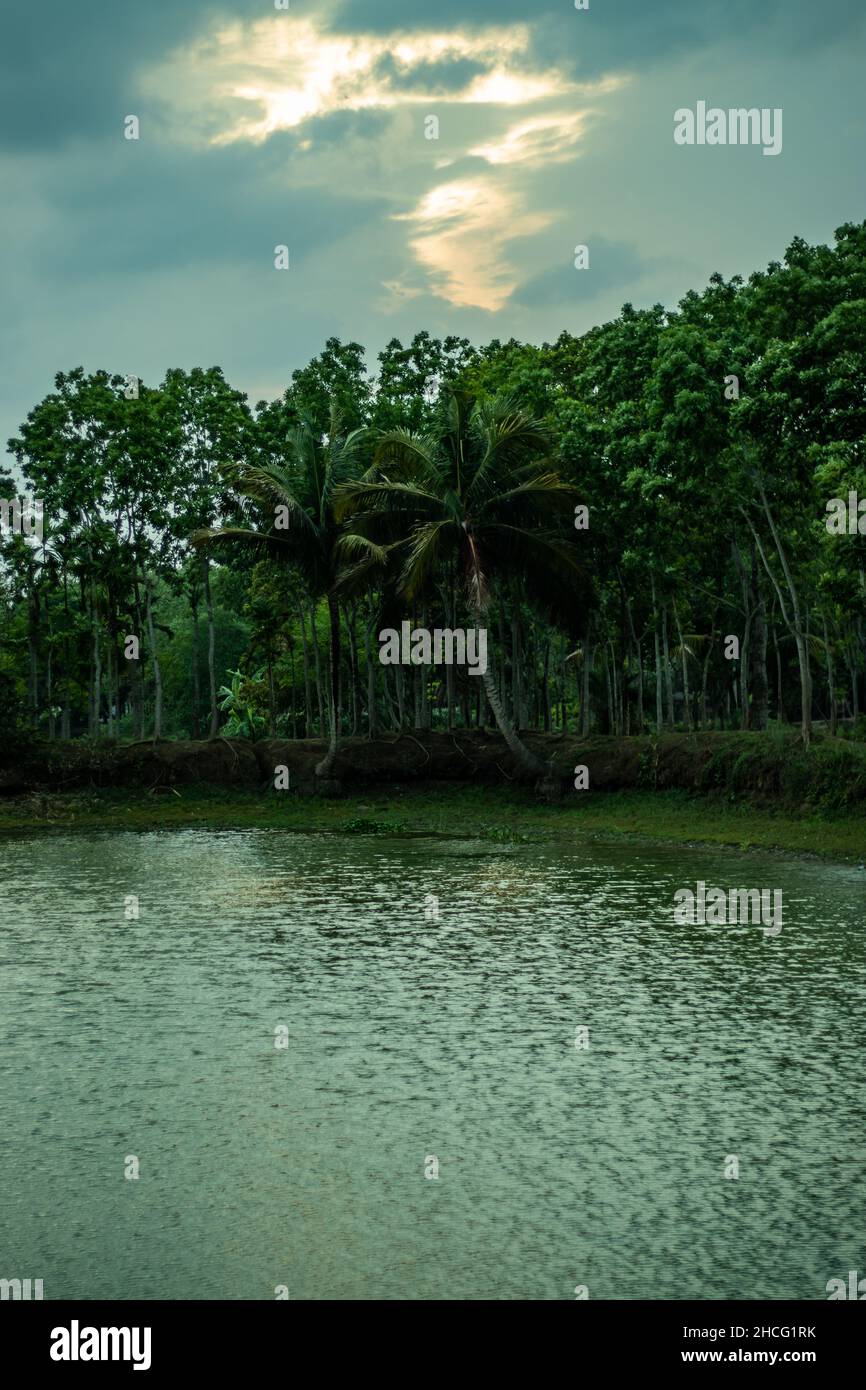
95,228
144,208
611,264
447,75
68,67
621,32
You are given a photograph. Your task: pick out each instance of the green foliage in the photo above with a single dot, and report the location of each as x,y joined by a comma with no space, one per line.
444,489
244,702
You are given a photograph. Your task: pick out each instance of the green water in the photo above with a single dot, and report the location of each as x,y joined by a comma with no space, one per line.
408,1039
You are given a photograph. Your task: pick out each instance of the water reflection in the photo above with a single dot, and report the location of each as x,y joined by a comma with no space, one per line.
409,1038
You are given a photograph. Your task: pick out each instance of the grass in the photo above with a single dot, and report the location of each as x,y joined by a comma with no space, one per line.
500,814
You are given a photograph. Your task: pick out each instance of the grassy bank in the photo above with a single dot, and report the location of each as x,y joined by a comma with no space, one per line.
503,814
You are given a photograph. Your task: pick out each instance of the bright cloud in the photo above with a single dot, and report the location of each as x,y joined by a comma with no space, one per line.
285,74
251,81
461,231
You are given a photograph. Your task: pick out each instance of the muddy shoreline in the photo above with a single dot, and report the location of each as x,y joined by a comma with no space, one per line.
766,769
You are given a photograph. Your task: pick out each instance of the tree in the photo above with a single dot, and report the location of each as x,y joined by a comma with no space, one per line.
292,500
479,491
213,424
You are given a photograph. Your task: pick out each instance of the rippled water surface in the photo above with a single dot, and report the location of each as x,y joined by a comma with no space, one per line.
304,1166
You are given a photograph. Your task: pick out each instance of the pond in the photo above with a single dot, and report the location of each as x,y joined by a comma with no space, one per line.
245,1065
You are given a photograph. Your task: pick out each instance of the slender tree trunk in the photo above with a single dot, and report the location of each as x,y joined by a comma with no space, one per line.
793,619
97,665
308,704
66,715
211,647
850,662
545,687
272,703
586,712
831,681
314,638
669,678
416,691
449,603
636,645
780,711
354,669
562,683
391,700
687,706
503,687
194,670
372,717
138,682
758,650
516,701
704,676
326,766
49,691
154,657
112,691
743,667
611,712
33,663
658,660
425,683
527,760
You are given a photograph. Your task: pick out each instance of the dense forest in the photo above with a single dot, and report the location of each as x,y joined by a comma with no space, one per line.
641,517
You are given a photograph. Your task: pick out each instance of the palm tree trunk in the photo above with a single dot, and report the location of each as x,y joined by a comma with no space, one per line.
526,759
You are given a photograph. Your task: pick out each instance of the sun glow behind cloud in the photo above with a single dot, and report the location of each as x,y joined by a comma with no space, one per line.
461,231
290,74
249,82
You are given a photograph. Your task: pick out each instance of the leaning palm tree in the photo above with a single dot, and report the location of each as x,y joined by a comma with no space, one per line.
479,491
297,491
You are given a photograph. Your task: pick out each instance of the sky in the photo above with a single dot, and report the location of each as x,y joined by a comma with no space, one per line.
429,166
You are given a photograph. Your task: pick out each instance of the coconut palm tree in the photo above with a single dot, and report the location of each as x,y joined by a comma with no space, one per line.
481,492
296,490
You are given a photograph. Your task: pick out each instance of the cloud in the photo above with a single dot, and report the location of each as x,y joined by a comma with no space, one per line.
70,69
250,83
307,127
612,264
540,139
246,82
461,232
631,31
